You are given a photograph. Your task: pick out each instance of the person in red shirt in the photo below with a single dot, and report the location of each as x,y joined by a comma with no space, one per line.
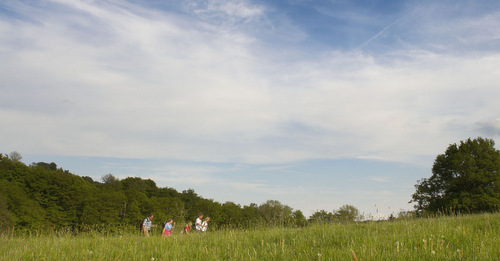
187,227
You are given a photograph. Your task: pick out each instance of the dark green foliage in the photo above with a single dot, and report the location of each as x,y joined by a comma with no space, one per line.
321,216
51,166
466,178
345,213
275,213
299,218
21,209
252,215
62,194
43,195
231,214
6,218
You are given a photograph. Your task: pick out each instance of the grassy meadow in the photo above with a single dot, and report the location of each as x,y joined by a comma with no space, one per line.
468,237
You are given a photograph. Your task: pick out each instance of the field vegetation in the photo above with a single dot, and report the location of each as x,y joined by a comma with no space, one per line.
47,213
467,237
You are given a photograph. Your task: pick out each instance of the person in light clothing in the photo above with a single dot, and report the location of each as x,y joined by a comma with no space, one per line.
146,224
198,223
204,225
167,230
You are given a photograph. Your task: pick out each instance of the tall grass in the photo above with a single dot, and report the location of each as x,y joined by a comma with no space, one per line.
470,237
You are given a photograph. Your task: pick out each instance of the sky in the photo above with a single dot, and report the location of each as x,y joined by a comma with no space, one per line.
316,104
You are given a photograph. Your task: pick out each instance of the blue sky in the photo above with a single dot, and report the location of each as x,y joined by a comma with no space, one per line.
316,104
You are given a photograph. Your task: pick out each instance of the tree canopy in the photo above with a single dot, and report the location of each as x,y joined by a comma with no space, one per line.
43,195
466,178
346,213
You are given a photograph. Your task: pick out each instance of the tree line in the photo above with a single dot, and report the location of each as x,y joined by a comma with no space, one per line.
465,179
42,195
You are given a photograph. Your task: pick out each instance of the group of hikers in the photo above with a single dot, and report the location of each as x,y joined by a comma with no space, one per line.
200,225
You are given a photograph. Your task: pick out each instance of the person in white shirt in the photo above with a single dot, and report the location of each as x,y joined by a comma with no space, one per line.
204,225
198,223
146,224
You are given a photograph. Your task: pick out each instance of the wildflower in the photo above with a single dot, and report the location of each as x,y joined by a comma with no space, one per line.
152,259
432,252
423,240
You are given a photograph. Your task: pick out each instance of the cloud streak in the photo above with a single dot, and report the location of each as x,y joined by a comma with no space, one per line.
118,80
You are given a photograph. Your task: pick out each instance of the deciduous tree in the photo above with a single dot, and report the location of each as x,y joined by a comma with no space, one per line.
347,213
15,156
466,178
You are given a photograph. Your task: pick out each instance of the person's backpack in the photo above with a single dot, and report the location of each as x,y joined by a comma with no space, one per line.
141,223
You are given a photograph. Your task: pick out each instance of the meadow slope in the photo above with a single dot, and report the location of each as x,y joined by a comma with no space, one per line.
468,237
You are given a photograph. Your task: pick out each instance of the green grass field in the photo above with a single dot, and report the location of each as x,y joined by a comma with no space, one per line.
469,237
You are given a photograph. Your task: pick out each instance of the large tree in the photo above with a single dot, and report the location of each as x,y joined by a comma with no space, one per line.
466,178
347,213
275,213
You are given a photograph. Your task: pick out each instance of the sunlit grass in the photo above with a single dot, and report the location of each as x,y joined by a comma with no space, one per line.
470,237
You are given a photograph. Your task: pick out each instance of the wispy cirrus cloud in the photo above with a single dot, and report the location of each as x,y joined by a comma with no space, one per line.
233,9
113,78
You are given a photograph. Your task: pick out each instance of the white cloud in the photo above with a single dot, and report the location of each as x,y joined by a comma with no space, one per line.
238,8
491,127
186,175
110,79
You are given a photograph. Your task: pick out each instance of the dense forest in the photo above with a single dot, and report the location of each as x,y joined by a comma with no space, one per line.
42,195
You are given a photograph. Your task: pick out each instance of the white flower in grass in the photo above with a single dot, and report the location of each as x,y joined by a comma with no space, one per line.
432,252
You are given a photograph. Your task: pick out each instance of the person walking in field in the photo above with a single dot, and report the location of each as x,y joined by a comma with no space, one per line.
187,228
146,224
204,225
167,230
198,223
